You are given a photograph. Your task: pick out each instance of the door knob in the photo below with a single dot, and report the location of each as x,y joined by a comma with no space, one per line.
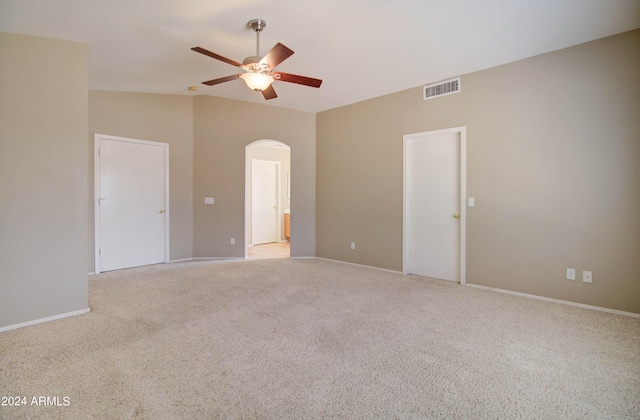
161,211
457,215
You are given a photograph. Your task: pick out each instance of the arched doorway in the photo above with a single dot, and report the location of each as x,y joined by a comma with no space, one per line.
267,199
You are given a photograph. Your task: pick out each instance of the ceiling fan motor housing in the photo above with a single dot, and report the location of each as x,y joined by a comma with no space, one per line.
252,64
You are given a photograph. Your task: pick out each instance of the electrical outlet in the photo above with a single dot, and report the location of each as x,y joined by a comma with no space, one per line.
233,241
587,277
571,274
353,245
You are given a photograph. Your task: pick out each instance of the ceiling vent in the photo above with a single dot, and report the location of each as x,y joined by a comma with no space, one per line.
447,87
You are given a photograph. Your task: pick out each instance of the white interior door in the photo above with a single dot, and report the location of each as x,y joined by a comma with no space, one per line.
433,211
131,210
264,201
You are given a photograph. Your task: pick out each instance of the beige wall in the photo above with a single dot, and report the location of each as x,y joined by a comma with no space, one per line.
281,155
222,130
153,117
553,160
43,178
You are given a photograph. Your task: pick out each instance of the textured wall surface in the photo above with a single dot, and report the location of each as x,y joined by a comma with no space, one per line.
43,178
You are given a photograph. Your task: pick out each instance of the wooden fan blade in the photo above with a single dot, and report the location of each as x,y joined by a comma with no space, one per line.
221,80
301,80
269,93
216,56
276,55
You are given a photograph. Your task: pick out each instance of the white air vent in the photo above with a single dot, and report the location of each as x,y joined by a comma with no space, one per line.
447,87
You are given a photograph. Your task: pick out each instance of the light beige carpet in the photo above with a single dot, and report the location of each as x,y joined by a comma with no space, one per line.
311,339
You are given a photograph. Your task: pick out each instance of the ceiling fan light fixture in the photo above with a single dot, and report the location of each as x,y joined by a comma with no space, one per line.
257,81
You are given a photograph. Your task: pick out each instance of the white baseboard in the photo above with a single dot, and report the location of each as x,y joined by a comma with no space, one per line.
41,320
360,265
563,302
181,260
92,273
216,258
303,258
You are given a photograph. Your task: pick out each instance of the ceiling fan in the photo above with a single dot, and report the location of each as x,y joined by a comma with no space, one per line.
259,71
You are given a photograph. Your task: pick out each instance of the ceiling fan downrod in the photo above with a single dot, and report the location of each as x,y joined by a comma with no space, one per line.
257,25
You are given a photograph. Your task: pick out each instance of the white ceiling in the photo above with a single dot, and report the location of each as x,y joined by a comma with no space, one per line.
360,48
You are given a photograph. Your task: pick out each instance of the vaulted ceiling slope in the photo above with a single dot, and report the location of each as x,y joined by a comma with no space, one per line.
360,48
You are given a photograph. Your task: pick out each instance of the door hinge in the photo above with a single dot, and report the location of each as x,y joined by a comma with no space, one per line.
100,252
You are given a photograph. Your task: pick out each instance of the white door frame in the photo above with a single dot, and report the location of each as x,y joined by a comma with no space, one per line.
406,228
96,192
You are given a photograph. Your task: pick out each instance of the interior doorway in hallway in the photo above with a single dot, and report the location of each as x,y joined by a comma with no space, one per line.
267,199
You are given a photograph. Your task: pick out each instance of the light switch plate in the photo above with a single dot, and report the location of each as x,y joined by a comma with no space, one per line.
587,277
208,200
471,202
